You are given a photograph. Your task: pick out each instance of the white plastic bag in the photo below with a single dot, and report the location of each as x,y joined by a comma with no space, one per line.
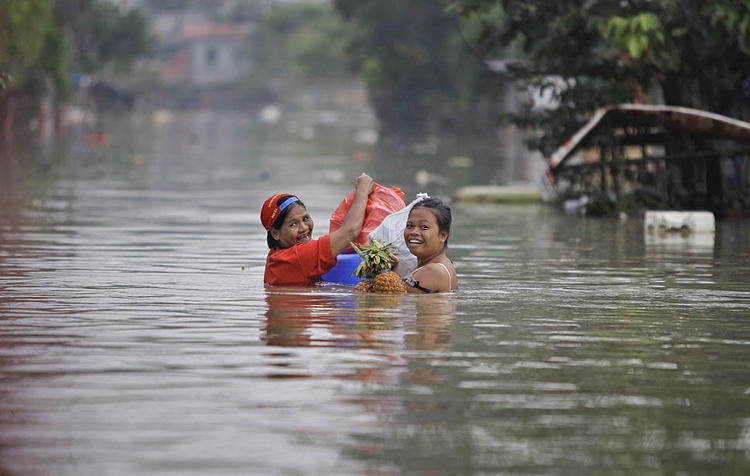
391,230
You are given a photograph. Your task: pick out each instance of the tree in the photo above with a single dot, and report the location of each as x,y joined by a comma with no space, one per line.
103,34
316,50
404,52
421,77
41,41
24,26
591,53
32,49
299,41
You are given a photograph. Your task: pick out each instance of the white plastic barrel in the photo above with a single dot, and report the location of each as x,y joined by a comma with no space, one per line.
688,221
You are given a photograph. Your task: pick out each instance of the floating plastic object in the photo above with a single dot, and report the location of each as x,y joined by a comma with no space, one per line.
576,206
161,116
516,194
270,114
391,230
344,271
684,222
96,137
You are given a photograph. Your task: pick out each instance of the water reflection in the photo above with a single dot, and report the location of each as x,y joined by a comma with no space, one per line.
308,317
136,336
409,340
313,318
408,331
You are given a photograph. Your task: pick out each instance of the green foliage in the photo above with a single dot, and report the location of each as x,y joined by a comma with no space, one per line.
42,40
300,40
697,52
376,256
23,29
635,34
55,59
103,34
33,46
413,59
317,49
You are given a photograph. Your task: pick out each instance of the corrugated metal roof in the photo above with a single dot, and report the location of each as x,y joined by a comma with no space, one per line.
683,117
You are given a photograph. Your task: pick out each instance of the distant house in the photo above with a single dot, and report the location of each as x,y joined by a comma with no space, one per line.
201,54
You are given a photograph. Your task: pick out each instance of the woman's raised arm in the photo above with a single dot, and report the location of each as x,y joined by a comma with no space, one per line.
351,227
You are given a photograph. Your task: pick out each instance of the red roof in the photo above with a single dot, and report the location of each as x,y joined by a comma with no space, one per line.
214,30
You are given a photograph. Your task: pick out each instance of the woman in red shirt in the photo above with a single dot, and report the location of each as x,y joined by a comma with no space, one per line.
294,257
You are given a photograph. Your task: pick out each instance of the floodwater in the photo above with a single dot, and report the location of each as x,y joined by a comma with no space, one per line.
136,336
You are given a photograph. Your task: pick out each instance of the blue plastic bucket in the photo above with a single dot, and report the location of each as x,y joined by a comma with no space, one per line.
344,271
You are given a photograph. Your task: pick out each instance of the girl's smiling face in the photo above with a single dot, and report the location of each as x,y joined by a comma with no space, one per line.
422,234
297,227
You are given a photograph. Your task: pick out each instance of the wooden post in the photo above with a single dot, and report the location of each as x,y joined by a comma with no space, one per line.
6,120
714,185
603,168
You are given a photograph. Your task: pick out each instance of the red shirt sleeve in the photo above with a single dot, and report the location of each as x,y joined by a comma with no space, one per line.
301,265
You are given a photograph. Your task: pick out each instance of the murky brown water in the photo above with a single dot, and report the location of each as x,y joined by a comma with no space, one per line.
136,336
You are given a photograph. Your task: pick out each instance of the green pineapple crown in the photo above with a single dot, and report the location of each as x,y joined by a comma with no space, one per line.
376,256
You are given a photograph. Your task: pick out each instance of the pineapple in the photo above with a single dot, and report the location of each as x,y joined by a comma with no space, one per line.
375,269
388,282
364,286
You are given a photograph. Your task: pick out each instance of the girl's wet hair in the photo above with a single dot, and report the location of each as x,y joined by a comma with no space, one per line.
442,213
273,243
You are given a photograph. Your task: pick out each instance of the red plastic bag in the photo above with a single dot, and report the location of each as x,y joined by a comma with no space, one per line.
382,202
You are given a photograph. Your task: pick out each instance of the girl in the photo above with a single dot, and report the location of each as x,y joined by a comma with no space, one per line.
426,235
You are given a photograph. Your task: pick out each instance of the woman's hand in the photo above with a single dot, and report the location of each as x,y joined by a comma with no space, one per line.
355,217
364,184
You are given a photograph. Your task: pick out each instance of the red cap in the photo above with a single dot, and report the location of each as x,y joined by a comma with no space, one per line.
271,210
